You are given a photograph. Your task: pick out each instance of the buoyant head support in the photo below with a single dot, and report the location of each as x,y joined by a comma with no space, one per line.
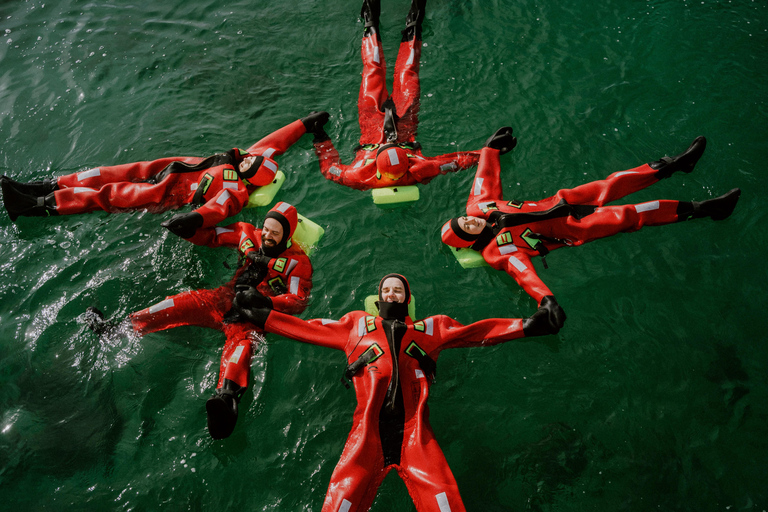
261,171
288,218
394,310
392,161
453,235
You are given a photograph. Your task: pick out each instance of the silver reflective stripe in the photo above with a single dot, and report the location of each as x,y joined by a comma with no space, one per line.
83,190
376,57
410,57
268,153
361,326
335,170
419,374
282,207
442,502
446,227
484,204
243,236
236,355
478,187
646,207
291,265
622,173
392,154
193,186
346,505
88,174
506,249
294,288
223,198
326,321
519,265
272,166
358,164
224,230
167,303
227,184
429,323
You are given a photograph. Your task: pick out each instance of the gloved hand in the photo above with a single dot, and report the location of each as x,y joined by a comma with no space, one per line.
314,123
184,224
248,297
502,140
259,259
548,319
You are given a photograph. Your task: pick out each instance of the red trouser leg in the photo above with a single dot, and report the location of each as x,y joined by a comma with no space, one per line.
428,478
610,220
615,186
358,474
204,308
373,92
116,197
137,171
237,354
406,89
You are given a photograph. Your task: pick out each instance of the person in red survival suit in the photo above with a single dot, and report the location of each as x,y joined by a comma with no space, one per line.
510,233
391,427
388,154
218,186
276,274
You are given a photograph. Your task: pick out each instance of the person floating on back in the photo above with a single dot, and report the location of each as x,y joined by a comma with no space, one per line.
388,154
217,186
509,234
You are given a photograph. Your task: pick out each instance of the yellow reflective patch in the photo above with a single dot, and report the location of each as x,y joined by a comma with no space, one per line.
370,323
279,265
504,238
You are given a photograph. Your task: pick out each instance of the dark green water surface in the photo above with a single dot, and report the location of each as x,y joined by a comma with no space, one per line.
653,397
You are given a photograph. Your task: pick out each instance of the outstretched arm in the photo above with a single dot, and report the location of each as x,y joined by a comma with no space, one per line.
430,167
325,333
491,331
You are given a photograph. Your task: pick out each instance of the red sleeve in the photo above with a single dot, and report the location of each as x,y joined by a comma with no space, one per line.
518,265
299,282
246,237
325,333
491,331
278,142
486,187
360,175
431,166
226,203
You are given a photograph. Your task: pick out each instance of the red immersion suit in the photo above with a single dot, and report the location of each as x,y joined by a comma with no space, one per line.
397,437
363,173
287,282
570,217
213,184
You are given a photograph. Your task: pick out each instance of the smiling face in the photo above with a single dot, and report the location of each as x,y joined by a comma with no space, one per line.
392,290
271,233
472,225
246,164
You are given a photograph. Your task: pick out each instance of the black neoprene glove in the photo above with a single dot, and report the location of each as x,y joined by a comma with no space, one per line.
502,140
259,259
184,224
252,305
548,319
248,297
314,123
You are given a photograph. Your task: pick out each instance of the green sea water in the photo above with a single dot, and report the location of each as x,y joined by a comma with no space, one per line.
654,395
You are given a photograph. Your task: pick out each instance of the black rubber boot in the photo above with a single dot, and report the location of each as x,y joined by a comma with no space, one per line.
19,203
414,20
370,13
684,162
222,409
718,208
33,188
94,318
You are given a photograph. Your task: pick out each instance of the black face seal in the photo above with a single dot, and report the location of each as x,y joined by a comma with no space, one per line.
394,310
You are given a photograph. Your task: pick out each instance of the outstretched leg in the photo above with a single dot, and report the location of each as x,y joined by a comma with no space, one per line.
406,87
357,475
373,88
623,183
